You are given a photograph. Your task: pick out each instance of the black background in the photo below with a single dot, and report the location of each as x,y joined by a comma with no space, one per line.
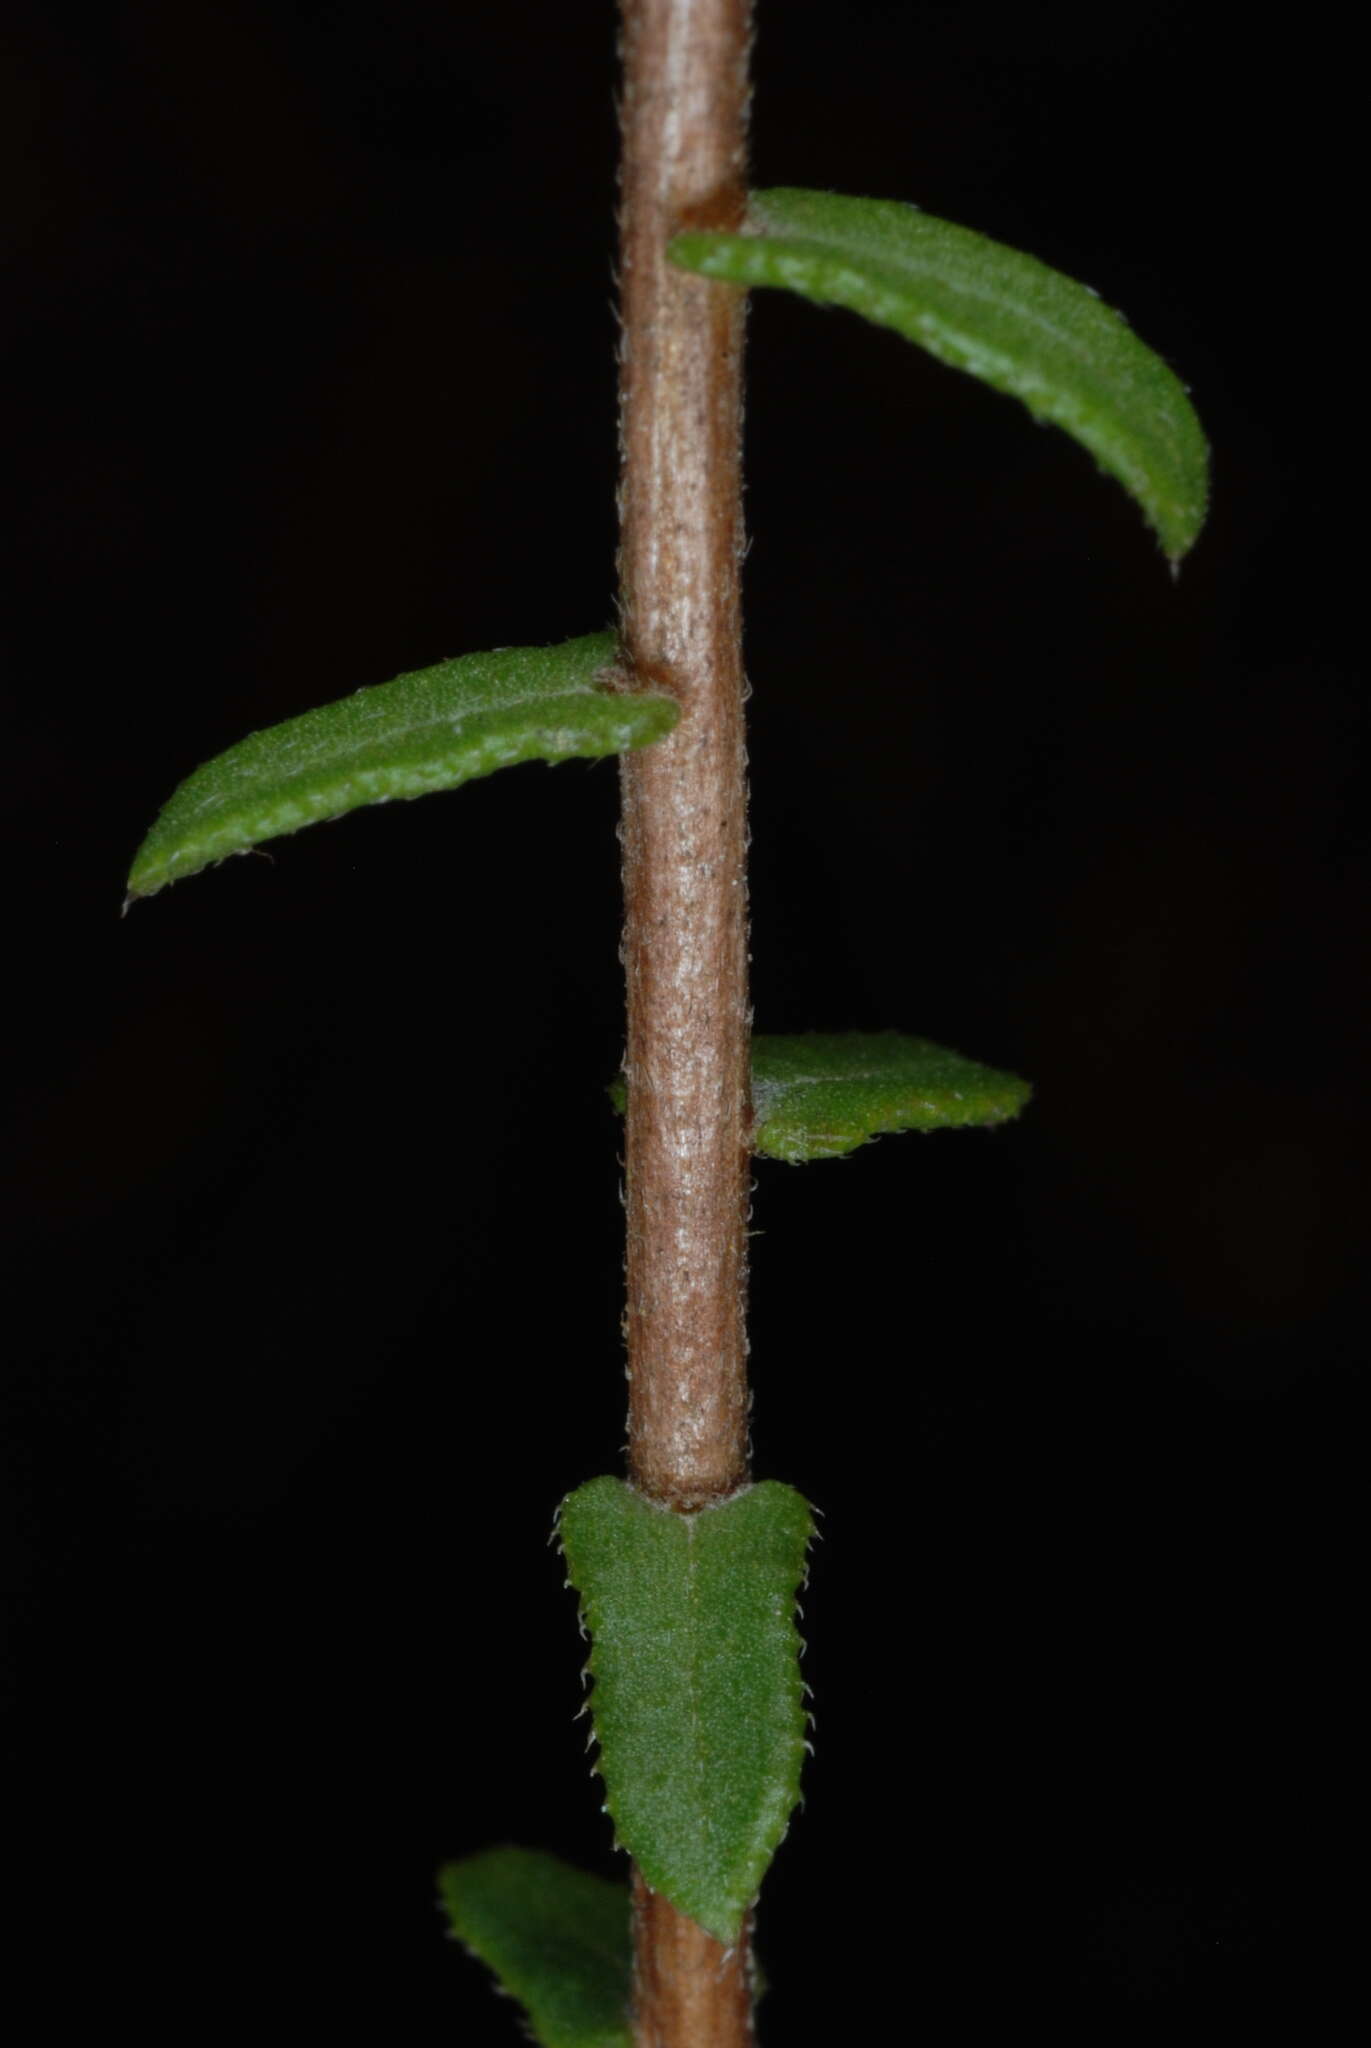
314,1216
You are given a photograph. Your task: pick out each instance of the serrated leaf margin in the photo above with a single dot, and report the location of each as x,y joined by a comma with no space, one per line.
720,1904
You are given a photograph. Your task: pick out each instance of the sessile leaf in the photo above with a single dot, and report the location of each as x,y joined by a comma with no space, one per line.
993,311
432,729
558,1940
819,1095
696,1694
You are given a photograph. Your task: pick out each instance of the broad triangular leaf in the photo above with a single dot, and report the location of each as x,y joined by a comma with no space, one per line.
816,1096
994,311
557,1938
429,730
698,1702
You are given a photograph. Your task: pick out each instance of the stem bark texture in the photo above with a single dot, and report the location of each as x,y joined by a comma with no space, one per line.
684,840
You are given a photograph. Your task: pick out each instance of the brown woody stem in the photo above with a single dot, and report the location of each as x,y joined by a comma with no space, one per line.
687,1991
684,849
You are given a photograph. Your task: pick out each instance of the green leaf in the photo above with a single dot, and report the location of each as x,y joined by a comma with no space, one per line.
697,1697
431,729
558,1939
994,311
816,1097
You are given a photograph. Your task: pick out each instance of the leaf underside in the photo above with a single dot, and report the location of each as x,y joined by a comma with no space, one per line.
429,730
818,1095
557,1938
697,1698
1002,315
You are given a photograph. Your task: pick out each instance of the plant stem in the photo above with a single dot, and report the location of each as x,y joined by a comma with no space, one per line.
683,832
687,1991
684,850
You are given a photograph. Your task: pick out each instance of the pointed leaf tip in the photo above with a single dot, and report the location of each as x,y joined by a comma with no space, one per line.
1000,314
557,1939
697,1699
432,729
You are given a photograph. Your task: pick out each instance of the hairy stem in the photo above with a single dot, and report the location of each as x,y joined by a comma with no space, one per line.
684,849
685,935
687,1991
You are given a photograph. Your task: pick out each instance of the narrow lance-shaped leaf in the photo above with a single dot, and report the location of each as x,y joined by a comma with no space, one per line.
431,729
557,1938
817,1095
1002,315
697,1697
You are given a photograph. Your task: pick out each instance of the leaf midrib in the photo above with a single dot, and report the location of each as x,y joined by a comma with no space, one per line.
915,275
905,277
884,1079
706,1831
311,757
